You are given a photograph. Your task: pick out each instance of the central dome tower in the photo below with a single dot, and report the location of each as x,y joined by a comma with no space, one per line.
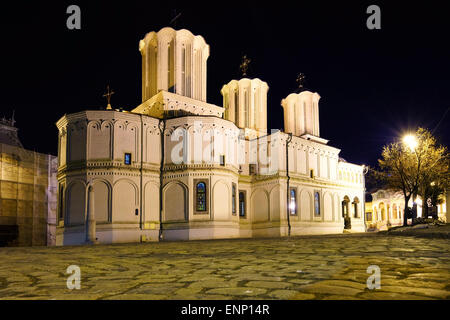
174,61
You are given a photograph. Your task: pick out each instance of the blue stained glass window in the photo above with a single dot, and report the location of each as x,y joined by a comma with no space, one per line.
317,203
127,158
201,196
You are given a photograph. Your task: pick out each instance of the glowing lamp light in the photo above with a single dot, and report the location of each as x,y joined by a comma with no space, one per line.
410,141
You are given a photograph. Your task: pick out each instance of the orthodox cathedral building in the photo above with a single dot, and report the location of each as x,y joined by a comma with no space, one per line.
179,168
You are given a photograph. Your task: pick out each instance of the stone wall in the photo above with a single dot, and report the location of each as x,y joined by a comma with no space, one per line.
27,193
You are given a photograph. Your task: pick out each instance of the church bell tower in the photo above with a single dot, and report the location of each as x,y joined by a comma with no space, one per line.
245,103
301,113
174,61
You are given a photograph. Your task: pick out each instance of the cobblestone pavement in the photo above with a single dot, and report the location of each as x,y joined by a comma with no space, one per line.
309,267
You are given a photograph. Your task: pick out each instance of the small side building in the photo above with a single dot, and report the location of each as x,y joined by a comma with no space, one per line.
387,209
28,188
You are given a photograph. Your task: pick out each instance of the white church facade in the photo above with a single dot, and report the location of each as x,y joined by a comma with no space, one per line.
179,168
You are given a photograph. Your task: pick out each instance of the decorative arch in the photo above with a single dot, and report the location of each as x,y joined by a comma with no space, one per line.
125,201
274,200
260,205
221,201
337,208
151,202
76,134
99,139
102,200
382,211
328,207
175,202
306,205
345,206
76,203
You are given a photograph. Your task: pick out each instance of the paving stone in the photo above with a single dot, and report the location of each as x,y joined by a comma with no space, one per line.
303,296
213,284
288,295
343,283
329,267
340,297
435,293
269,284
242,291
319,288
378,295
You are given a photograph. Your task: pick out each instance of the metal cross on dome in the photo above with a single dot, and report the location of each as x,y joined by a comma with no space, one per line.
300,80
108,95
244,65
176,16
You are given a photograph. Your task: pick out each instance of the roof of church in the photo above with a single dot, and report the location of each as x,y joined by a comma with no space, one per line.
8,133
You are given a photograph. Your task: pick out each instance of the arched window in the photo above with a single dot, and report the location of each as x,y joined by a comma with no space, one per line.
316,203
293,202
233,198
242,204
201,196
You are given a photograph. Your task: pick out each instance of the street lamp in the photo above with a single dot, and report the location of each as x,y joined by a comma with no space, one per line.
410,141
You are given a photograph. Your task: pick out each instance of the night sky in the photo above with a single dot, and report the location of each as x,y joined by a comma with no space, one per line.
374,84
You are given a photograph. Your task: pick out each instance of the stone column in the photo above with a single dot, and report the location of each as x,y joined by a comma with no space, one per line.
90,218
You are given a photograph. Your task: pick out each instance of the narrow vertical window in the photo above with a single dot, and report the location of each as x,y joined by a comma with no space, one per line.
233,198
201,196
246,109
254,124
242,203
183,71
293,202
236,107
316,203
170,69
61,202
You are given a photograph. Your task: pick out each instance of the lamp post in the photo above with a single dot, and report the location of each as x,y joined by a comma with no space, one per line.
411,142
288,140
